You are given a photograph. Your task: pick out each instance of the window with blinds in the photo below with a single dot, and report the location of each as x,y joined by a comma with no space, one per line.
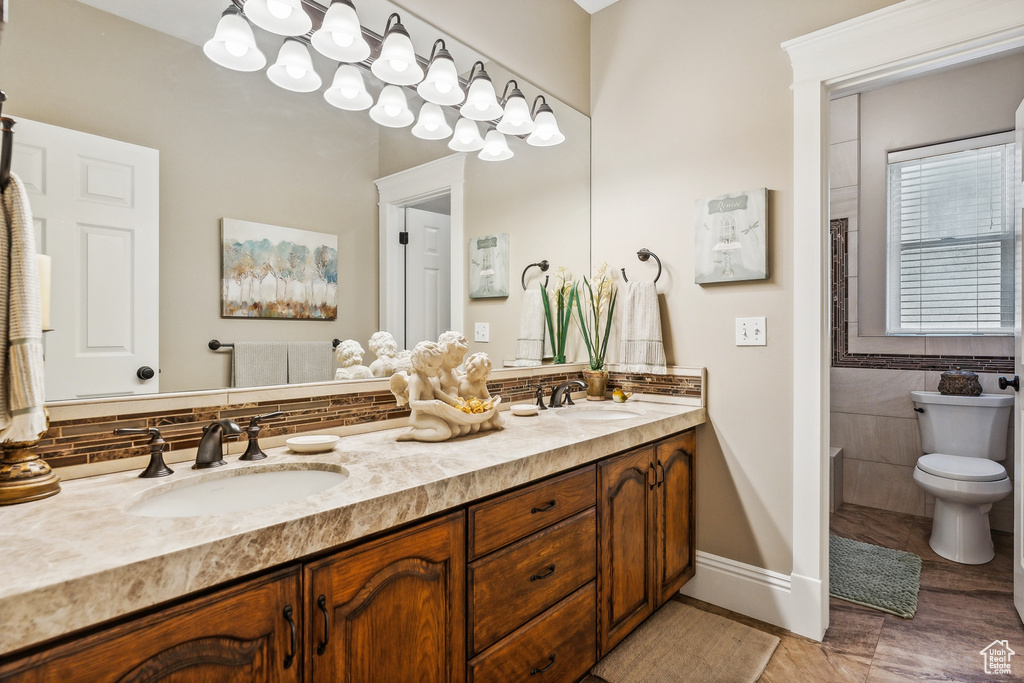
951,238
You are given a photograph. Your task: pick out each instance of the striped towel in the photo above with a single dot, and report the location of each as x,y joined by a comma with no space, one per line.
259,364
310,361
22,417
641,347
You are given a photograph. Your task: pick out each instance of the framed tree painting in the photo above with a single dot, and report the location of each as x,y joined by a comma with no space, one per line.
730,233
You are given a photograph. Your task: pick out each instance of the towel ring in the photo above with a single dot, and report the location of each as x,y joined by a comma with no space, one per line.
643,255
543,265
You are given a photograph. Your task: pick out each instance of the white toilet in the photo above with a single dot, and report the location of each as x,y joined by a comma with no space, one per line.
963,438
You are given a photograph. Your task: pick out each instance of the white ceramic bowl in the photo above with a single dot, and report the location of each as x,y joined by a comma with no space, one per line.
313,443
525,409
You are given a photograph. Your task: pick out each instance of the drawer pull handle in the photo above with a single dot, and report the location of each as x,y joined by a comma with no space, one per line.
545,508
290,657
321,602
548,572
535,670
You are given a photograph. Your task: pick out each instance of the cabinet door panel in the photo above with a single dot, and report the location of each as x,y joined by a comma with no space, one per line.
391,610
626,548
237,635
674,518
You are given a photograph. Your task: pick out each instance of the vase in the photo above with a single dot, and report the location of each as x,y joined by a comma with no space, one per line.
597,384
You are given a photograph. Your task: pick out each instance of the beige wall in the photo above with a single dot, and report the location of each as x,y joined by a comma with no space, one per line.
691,99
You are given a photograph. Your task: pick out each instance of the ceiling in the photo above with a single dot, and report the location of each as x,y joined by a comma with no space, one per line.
594,5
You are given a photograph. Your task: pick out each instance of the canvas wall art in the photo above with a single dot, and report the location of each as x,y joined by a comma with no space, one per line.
273,272
488,266
731,233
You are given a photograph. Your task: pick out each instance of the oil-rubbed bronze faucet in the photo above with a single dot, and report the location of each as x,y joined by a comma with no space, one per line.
211,447
563,391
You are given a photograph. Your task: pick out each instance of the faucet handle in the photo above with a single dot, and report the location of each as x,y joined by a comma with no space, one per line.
540,395
256,419
253,450
156,467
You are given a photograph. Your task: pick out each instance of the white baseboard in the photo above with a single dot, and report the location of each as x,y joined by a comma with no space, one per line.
788,601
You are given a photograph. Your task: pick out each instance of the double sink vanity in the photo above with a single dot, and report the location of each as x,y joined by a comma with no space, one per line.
522,554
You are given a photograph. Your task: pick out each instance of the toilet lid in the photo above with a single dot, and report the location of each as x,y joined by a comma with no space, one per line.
960,467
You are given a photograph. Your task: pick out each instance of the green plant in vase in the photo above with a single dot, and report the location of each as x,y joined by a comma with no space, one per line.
595,307
558,311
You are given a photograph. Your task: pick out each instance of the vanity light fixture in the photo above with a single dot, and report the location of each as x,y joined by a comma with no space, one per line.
293,69
481,102
467,137
516,120
233,45
391,109
396,63
348,91
431,124
283,17
441,84
547,133
340,37
495,147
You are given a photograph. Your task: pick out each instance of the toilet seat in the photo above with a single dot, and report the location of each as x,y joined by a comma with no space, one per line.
961,468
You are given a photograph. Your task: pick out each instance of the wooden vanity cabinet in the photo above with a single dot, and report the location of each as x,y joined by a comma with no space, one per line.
645,533
392,609
248,633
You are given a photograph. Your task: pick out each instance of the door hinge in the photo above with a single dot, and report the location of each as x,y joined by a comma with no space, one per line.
403,237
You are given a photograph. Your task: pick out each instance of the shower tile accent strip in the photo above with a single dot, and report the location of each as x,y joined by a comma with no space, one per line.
75,438
842,358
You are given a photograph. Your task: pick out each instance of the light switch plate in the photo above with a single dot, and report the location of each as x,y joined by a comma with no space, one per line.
751,332
482,332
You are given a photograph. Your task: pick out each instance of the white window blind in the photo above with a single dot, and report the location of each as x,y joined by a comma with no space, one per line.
951,238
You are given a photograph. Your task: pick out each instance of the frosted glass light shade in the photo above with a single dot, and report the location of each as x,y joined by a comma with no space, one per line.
283,17
293,69
467,137
233,45
481,102
441,84
547,133
397,61
516,120
391,109
495,147
431,124
348,91
340,37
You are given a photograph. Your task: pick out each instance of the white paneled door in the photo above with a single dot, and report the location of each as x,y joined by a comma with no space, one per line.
427,275
95,202
1018,418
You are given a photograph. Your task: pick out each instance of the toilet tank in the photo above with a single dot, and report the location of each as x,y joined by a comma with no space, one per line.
971,426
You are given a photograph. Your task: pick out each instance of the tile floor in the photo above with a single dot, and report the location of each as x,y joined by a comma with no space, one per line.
960,610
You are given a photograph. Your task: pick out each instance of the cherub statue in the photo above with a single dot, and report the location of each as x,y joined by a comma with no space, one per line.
385,349
454,345
350,357
473,384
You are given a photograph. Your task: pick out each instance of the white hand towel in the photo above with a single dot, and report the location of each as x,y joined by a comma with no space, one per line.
530,342
310,362
641,347
22,418
259,364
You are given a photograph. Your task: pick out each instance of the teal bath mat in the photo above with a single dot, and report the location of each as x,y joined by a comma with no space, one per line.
873,576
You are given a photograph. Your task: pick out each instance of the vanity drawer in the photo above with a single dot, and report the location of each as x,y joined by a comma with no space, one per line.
562,641
506,519
510,586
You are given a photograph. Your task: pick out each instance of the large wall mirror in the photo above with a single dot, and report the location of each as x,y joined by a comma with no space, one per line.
233,145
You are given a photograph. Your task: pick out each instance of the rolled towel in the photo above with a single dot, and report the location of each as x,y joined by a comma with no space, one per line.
22,418
530,342
310,361
259,364
641,347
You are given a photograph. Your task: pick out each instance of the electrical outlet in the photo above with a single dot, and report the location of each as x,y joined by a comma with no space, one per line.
751,332
482,332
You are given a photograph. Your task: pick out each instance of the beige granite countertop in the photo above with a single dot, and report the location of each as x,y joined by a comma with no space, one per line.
79,558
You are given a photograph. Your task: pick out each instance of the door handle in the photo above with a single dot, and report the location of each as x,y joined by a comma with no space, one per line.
1015,383
145,372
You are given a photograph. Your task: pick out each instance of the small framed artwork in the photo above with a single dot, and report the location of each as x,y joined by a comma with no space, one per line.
488,266
731,233
272,272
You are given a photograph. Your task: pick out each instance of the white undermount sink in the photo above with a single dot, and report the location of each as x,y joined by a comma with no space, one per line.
598,413
236,490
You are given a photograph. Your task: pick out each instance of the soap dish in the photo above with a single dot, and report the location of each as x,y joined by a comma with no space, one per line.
525,409
313,443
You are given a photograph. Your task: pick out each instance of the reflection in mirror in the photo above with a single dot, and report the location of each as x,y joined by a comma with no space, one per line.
234,145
